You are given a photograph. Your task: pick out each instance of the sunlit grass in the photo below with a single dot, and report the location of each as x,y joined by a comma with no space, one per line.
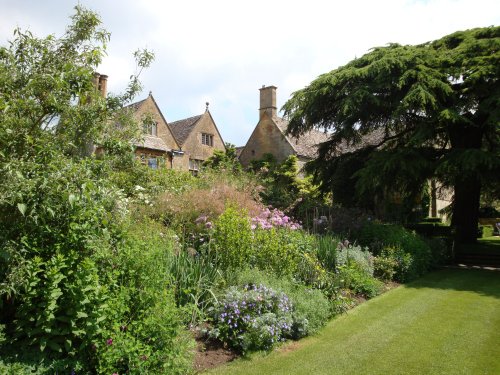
447,322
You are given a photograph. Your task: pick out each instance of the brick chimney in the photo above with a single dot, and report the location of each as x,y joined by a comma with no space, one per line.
268,101
101,83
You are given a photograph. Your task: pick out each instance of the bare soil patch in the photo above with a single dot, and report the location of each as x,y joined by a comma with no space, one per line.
210,354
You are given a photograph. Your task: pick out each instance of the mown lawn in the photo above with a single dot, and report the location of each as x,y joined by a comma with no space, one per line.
448,322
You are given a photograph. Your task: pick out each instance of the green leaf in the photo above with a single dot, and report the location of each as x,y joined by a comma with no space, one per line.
43,344
67,344
81,314
22,208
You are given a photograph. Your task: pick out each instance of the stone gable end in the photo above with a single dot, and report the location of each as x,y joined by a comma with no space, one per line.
193,146
149,107
266,138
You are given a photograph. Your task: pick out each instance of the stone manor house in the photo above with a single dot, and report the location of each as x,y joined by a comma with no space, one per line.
185,144
182,145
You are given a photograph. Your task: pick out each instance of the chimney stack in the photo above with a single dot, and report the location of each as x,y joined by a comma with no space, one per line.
103,85
268,101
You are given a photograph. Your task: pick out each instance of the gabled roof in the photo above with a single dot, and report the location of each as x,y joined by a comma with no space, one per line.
135,106
182,128
307,144
150,141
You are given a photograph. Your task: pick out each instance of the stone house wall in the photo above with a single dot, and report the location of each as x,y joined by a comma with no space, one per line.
193,147
266,139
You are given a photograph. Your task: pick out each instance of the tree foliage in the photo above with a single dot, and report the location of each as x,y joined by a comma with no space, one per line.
67,288
434,108
224,160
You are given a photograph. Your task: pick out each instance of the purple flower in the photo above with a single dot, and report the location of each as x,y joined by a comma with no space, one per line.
109,342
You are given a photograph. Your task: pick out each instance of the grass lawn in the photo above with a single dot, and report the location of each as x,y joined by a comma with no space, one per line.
447,322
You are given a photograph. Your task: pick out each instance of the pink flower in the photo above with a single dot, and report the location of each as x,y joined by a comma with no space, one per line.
109,341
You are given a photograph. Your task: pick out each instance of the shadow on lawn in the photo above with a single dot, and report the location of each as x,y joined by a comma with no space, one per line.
482,281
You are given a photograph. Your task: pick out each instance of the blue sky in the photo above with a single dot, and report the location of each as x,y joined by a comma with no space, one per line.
223,51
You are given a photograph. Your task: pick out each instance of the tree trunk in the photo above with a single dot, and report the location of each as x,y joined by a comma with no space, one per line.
466,209
467,186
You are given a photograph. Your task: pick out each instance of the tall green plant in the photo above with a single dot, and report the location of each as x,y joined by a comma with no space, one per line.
326,252
195,277
232,239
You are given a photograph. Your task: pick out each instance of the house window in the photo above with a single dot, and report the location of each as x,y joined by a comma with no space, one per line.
207,139
153,163
194,166
150,128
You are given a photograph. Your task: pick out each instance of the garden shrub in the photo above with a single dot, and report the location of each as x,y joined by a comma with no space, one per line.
486,231
403,263
272,250
280,250
413,253
385,267
276,248
355,279
144,339
354,256
310,272
355,268
311,308
144,331
54,217
252,317
232,239
441,249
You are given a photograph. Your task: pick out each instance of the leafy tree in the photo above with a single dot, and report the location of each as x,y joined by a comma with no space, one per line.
280,180
435,107
63,221
284,188
224,160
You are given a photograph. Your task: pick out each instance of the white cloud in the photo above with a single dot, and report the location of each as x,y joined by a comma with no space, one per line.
222,51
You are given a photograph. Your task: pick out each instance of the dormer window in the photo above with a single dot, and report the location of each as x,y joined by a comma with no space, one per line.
150,128
207,139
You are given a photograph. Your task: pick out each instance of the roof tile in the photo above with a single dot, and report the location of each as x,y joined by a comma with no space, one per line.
183,128
152,143
305,145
